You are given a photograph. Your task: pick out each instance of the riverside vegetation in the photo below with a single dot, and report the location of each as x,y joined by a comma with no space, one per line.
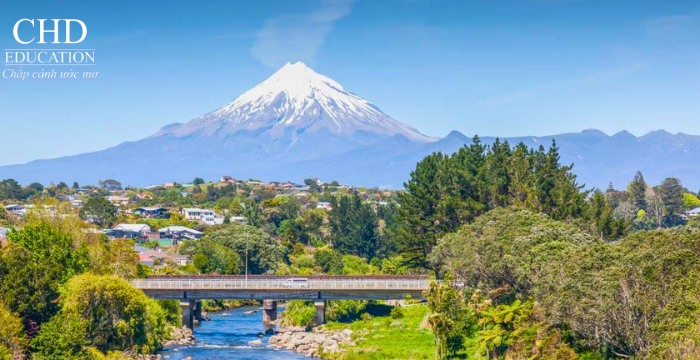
534,266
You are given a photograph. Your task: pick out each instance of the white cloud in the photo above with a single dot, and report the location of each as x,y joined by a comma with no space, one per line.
297,37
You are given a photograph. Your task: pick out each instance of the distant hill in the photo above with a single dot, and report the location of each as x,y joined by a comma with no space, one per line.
299,124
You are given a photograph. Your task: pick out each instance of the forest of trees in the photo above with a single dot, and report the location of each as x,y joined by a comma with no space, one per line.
63,295
534,265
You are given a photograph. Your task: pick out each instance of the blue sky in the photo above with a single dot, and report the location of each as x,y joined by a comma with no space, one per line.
506,68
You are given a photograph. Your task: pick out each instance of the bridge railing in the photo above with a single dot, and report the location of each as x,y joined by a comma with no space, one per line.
281,284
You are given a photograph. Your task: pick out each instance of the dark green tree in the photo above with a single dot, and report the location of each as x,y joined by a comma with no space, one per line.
98,210
263,252
353,227
671,195
329,261
31,190
419,215
38,260
211,257
110,184
637,190
10,190
446,192
600,215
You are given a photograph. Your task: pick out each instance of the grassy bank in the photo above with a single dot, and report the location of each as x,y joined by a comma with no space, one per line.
383,338
210,306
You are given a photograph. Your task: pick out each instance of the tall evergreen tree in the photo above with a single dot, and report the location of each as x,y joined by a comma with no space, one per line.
637,190
354,227
671,195
497,174
520,169
600,214
445,192
418,217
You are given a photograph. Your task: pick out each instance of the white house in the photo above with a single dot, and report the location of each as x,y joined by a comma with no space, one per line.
196,213
20,210
238,219
693,212
76,202
324,205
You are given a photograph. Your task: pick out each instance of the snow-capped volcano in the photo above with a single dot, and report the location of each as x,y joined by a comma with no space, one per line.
299,124
296,99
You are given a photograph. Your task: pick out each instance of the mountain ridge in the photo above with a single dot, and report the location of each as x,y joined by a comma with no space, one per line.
298,124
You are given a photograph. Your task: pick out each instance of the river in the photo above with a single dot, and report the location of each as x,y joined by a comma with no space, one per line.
227,336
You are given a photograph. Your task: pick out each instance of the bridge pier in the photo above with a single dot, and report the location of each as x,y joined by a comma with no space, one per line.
269,311
187,313
320,312
197,312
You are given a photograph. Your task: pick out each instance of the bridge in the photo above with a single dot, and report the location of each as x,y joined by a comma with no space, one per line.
190,290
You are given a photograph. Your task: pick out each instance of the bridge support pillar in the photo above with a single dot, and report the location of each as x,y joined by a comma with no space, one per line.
320,312
269,311
187,313
197,311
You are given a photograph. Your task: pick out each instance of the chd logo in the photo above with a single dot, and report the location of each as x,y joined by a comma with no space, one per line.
25,28
60,61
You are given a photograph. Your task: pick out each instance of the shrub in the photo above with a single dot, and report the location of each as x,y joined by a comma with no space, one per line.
299,313
396,312
12,339
366,317
117,315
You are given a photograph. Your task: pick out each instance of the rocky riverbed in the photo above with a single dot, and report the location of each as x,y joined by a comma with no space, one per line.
180,336
311,343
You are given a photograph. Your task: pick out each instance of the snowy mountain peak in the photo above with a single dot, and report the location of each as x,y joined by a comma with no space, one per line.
296,99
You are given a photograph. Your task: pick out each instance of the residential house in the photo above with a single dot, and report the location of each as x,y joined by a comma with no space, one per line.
146,260
256,184
180,260
693,212
76,203
129,231
180,232
19,210
238,219
166,242
324,205
212,220
196,213
151,235
153,257
152,212
118,200
144,196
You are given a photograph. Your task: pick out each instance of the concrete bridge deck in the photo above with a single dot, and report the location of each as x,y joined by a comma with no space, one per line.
190,290
276,287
